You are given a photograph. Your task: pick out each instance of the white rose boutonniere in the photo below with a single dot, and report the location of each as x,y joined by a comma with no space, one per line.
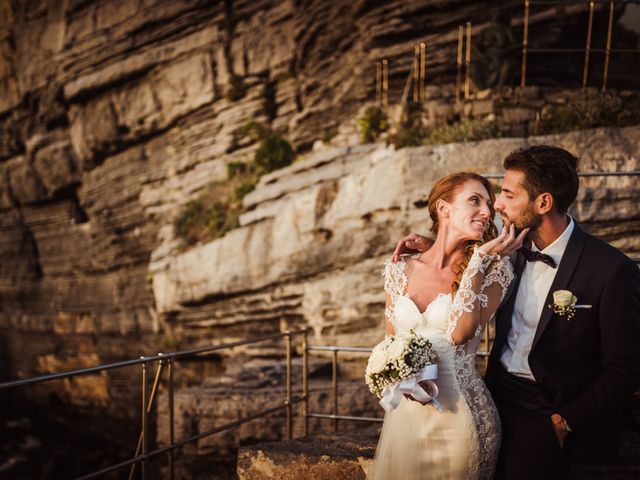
564,303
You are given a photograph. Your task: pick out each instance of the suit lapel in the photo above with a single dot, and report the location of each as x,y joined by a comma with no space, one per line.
566,269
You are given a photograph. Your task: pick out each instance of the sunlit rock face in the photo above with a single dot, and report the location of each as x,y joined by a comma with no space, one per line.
311,246
114,114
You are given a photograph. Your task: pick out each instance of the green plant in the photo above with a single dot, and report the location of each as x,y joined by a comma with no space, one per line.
463,131
407,137
591,111
273,151
247,186
236,169
237,88
189,222
212,214
372,124
222,218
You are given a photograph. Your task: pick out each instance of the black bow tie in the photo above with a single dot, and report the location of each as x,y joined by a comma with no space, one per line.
532,256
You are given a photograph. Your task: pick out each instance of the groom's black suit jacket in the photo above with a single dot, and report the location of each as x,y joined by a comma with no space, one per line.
589,365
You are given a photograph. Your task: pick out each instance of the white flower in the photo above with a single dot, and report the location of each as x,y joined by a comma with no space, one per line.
564,298
564,303
397,347
377,360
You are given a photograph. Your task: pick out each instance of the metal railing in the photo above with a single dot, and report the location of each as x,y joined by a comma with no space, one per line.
629,173
587,50
143,455
417,71
334,386
168,360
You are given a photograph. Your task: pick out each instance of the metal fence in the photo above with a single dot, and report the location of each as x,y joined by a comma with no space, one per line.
167,362
587,50
417,72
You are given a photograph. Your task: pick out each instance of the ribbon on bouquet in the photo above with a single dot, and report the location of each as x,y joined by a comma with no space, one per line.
392,395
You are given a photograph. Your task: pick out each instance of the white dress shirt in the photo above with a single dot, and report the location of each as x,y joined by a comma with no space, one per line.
535,282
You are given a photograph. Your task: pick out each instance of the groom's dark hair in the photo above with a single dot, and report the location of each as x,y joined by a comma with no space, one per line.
547,169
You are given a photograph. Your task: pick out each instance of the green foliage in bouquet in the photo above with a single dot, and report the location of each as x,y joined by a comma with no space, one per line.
397,358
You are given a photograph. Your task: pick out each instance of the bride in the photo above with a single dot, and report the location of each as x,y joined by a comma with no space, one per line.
448,294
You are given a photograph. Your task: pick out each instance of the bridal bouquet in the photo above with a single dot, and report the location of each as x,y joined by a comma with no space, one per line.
397,365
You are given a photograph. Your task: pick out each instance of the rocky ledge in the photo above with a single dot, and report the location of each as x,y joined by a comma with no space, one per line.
337,456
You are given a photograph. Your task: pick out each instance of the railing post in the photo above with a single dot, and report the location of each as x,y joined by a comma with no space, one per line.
587,50
171,432
305,382
288,402
378,84
145,421
467,73
423,69
608,50
385,83
459,64
334,387
416,73
525,40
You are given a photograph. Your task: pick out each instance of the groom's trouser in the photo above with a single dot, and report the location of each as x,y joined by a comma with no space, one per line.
530,448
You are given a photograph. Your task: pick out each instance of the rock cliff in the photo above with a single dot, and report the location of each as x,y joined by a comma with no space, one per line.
113,114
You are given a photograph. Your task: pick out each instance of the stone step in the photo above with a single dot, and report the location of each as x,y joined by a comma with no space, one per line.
337,456
348,455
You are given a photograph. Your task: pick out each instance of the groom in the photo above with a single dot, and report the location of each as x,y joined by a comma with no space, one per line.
561,371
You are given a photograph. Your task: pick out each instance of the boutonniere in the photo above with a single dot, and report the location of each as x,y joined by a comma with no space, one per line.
564,303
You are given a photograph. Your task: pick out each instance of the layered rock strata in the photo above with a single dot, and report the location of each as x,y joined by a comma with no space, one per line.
311,245
113,114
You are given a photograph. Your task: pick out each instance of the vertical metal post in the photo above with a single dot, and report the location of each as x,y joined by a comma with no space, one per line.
525,41
305,382
459,64
608,51
334,388
587,49
385,83
171,411
150,399
423,68
288,402
378,84
416,73
467,73
145,421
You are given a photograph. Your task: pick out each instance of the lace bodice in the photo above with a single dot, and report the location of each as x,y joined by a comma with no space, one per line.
492,275
482,288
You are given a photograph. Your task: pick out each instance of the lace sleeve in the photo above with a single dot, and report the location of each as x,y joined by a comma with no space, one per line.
395,282
496,282
465,312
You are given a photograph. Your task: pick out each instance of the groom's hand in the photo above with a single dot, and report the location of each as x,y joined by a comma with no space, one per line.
560,427
412,243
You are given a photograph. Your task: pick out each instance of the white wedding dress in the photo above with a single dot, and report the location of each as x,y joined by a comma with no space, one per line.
461,440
